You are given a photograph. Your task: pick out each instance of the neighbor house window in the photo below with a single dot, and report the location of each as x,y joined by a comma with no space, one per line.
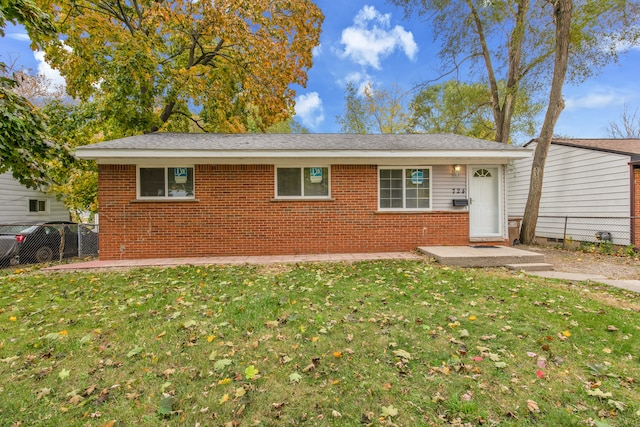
37,205
405,188
165,182
302,182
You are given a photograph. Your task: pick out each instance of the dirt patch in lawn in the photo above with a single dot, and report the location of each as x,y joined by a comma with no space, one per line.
573,261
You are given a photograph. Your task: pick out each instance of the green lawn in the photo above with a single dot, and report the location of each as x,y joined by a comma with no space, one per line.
372,343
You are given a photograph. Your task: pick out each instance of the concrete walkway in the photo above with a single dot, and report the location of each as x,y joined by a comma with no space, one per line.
233,260
630,285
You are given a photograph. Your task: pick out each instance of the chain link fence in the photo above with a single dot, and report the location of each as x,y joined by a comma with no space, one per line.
588,229
46,241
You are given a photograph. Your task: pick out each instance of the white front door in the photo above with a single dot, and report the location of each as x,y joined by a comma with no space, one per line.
484,210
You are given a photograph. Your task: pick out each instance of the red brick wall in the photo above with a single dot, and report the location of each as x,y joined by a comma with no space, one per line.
235,215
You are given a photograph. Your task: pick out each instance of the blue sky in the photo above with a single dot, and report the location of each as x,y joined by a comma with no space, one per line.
371,41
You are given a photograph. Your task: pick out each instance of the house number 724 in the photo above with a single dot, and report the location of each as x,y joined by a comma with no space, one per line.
458,191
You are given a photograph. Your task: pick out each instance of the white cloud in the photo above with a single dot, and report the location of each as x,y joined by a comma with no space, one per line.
309,109
53,76
598,98
358,79
371,38
317,51
23,37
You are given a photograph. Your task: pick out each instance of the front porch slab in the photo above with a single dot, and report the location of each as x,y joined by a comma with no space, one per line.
481,255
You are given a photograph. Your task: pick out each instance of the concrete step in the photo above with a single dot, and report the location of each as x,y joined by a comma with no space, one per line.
481,256
536,266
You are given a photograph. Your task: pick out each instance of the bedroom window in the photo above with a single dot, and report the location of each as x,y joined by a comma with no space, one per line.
165,182
302,182
405,188
37,205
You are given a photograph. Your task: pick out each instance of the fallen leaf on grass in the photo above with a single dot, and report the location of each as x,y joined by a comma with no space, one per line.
250,372
402,354
136,350
389,411
540,374
75,399
532,406
166,405
221,364
295,377
620,406
599,393
272,324
63,374
42,393
89,390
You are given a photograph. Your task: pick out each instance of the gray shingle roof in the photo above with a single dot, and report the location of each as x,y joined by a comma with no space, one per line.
299,142
629,147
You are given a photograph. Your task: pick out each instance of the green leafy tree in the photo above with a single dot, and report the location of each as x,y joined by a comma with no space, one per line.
465,109
24,148
374,111
355,118
513,41
168,65
73,125
288,126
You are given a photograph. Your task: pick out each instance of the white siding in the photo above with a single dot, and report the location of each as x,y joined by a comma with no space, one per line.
445,187
577,182
14,203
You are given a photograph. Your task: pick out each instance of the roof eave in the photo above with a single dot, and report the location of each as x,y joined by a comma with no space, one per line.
208,156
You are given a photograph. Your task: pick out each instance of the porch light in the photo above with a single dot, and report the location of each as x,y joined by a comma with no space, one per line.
456,170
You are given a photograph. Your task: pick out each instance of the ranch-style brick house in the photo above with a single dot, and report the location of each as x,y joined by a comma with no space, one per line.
178,195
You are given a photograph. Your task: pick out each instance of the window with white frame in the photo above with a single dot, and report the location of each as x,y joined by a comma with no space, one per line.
36,205
405,188
165,182
302,182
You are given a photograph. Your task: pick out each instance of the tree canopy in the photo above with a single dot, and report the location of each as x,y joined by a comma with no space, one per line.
512,41
226,66
24,148
465,109
373,110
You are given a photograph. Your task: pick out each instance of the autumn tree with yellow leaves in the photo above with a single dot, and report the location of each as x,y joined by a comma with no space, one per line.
217,66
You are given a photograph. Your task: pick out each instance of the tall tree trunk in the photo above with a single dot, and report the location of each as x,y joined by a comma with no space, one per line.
562,10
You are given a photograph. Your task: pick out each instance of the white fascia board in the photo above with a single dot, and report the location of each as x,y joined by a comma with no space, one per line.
236,156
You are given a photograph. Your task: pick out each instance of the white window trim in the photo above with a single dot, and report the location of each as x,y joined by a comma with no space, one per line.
166,182
302,197
404,194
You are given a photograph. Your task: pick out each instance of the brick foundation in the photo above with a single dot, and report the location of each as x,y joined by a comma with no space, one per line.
235,214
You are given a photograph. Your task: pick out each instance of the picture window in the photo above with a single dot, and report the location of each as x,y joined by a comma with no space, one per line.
303,182
170,182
